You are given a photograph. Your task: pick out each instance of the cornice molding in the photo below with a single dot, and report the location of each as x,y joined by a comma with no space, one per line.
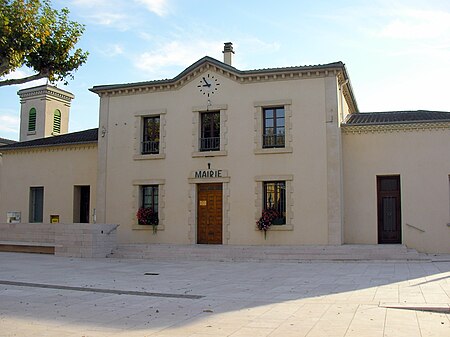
269,75
342,80
45,91
397,127
53,148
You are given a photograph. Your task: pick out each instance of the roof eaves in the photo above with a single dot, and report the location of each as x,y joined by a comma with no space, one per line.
219,64
350,88
29,147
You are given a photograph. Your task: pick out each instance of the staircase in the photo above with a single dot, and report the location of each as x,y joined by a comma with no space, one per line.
168,252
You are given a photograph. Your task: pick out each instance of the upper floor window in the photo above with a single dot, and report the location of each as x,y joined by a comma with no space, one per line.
210,131
273,127
32,120
275,197
57,121
150,137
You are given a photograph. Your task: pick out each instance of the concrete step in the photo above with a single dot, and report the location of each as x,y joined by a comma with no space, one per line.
269,253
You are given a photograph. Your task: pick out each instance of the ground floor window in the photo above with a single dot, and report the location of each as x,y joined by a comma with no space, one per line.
36,204
275,198
148,208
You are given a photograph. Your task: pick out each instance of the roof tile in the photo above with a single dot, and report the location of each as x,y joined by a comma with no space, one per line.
86,136
397,117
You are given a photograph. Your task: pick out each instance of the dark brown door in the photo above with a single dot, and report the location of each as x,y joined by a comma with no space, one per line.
389,210
85,192
209,213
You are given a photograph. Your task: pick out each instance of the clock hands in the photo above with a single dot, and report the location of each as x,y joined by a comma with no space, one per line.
206,83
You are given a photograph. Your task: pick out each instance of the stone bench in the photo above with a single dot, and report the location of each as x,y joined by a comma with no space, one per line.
27,247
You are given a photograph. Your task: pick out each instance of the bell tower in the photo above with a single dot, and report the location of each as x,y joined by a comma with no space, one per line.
44,112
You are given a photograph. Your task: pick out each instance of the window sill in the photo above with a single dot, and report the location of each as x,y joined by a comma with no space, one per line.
147,227
276,228
149,156
209,154
30,133
274,150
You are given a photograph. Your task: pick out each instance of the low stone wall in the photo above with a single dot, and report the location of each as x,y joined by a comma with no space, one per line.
70,240
85,240
32,233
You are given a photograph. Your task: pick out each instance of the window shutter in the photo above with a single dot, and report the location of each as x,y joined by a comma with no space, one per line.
57,121
32,120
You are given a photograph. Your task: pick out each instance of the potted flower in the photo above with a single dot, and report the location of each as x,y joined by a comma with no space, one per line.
146,216
269,215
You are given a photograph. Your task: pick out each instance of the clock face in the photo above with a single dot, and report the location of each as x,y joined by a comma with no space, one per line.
208,85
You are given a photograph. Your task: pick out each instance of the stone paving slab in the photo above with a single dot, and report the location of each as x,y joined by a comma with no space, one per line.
231,298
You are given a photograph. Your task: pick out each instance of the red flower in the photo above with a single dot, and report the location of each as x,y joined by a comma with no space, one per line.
146,216
266,219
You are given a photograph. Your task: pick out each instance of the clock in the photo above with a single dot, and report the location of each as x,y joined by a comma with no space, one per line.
208,85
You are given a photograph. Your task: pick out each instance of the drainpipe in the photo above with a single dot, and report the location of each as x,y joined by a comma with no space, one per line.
341,86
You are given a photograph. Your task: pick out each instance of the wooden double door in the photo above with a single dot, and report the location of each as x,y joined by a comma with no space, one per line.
389,209
209,213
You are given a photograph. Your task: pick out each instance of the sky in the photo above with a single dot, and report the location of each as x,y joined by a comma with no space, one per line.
397,52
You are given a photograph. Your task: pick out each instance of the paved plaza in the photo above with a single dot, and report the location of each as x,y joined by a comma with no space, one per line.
44,295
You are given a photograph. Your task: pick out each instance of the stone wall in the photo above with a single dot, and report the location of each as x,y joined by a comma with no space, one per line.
85,240
32,233
70,240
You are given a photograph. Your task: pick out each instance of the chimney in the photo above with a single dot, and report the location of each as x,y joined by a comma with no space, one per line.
228,53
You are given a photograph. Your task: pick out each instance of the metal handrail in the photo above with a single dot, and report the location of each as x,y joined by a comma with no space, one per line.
417,228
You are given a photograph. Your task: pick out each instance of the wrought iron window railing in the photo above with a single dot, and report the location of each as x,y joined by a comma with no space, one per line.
210,144
273,141
150,147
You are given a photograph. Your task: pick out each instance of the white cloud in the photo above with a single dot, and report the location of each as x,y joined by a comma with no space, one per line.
8,122
120,21
112,50
111,13
92,3
118,14
159,7
417,24
176,53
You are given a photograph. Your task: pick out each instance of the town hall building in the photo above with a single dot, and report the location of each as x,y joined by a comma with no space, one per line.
212,150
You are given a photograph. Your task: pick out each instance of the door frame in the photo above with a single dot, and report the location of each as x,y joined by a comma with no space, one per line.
390,193
193,181
78,193
197,208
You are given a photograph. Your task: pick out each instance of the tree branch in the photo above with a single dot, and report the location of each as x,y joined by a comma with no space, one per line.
34,77
4,67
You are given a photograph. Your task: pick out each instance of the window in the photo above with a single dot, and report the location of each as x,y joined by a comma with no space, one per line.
210,131
36,204
149,197
32,120
273,128
149,193
57,121
150,137
275,197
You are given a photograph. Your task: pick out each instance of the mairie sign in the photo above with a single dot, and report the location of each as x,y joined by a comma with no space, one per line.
208,174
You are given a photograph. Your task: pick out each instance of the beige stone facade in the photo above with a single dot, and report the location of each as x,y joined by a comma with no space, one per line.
420,156
58,170
308,163
324,170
